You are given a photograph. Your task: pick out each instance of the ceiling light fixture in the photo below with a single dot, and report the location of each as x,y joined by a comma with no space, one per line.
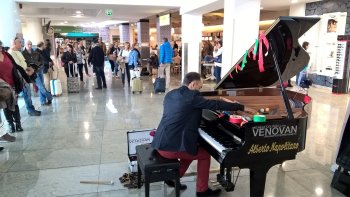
78,12
294,1
261,8
65,22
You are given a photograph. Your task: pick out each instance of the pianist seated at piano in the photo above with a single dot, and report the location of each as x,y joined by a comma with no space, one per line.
177,133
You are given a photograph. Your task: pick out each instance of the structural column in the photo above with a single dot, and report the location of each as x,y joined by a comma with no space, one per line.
163,31
241,28
143,39
191,42
10,23
124,31
32,30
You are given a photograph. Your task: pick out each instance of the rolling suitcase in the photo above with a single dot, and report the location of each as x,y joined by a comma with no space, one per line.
159,85
136,85
73,81
56,87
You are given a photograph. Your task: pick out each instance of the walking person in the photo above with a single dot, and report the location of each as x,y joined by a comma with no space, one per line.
97,58
111,57
85,55
166,54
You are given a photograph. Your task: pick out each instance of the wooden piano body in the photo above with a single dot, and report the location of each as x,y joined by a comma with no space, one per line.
261,145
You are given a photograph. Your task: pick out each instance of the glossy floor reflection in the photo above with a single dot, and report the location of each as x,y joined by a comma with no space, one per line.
83,137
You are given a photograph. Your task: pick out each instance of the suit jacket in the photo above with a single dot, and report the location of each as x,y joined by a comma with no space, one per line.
97,57
178,128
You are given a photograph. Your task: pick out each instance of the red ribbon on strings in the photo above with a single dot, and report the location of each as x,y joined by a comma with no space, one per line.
231,76
262,40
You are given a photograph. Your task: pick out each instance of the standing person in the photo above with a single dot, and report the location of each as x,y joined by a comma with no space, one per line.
177,134
153,62
217,54
111,57
302,75
133,63
85,55
48,63
15,52
124,53
34,58
116,52
175,46
17,80
166,54
69,58
102,46
97,59
80,59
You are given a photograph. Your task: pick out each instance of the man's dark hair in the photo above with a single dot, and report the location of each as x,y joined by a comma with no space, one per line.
165,39
40,44
191,76
305,44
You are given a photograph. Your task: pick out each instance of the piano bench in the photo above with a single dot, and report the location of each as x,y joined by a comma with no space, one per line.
156,168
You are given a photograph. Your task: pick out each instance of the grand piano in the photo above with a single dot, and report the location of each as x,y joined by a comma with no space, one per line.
260,145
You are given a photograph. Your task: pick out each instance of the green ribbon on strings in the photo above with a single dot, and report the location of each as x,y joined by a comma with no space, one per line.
244,60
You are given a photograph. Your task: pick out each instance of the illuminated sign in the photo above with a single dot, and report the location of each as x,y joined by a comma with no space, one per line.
164,20
108,12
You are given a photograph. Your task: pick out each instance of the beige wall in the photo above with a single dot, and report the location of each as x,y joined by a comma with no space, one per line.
112,32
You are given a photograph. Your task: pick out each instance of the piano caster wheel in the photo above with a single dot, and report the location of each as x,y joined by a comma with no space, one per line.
229,186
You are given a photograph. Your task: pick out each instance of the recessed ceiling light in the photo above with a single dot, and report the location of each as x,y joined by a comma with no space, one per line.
78,12
261,8
61,23
65,22
294,1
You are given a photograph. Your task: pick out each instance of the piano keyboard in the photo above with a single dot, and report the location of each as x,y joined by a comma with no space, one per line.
211,141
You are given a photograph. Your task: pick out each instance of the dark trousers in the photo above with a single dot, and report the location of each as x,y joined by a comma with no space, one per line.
127,72
86,68
100,76
12,116
70,69
112,65
80,68
217,73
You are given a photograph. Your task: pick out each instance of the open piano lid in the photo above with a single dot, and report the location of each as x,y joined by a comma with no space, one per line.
283,35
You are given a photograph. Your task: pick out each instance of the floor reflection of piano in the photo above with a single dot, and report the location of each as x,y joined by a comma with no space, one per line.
259,146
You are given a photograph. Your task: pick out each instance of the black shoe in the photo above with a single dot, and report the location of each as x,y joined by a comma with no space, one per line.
104,86
1,148
19,127
12,127
34,113
209,192
171,183
49,102
98,88
289,85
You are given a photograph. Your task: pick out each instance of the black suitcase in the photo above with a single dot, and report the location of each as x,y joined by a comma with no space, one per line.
159,85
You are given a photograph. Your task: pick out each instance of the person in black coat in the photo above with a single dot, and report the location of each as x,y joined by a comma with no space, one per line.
97,59
177,134
69,58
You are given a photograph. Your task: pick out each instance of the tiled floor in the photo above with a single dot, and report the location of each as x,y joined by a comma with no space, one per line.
83,137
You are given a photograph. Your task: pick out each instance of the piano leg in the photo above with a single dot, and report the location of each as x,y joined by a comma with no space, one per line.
257,181
225,179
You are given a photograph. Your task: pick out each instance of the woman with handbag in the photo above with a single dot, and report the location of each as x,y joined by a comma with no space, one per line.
16,77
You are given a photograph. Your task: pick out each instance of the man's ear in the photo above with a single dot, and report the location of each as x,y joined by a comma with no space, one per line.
191,85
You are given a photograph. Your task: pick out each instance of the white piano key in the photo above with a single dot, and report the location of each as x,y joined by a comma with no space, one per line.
211,141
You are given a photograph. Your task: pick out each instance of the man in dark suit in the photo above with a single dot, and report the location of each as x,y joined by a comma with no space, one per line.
97,58
177,133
